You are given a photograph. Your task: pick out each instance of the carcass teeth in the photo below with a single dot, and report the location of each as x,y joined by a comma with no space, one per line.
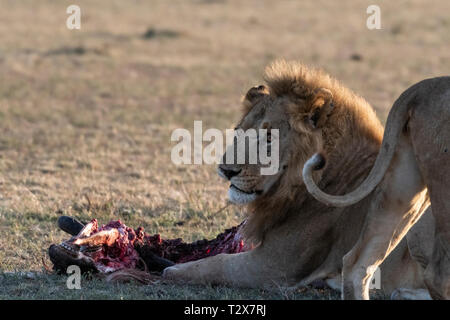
68,247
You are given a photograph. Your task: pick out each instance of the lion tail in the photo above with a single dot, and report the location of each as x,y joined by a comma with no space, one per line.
396,121
128,275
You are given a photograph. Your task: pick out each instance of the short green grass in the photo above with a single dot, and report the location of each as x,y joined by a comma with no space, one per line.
86,115
40,286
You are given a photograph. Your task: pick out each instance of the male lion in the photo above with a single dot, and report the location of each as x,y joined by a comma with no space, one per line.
297,238
414,157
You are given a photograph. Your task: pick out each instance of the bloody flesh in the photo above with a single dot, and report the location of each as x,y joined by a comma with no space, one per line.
115,246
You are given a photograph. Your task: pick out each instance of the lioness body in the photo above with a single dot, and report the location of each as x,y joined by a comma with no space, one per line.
298,239
414,156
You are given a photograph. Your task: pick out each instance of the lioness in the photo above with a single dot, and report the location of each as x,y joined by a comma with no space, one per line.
297,238
414,156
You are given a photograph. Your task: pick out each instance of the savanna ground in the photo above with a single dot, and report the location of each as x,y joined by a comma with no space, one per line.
86,115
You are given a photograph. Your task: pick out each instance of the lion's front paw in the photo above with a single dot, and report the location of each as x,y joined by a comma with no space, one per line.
200,271
189,271
172,272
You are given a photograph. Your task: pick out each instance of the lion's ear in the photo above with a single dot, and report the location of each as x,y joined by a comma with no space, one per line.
254,94
320,106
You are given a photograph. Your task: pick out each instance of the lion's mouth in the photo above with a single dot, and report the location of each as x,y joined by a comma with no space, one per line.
257,192
240,190
239,196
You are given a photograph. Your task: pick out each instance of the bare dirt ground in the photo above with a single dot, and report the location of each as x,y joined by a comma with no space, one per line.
86,115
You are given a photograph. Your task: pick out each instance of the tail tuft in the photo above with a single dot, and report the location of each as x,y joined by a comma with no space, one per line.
319,161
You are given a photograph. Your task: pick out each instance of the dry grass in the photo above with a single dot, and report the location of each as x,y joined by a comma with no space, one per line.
86,115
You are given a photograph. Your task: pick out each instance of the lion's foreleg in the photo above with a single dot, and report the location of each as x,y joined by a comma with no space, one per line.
241,269
383,231
437,273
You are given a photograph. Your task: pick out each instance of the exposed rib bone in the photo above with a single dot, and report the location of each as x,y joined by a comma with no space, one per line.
106,237
88,229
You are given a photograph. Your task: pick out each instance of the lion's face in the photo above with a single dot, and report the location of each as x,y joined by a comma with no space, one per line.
297,135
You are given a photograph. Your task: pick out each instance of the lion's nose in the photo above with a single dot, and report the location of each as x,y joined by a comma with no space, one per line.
229,173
